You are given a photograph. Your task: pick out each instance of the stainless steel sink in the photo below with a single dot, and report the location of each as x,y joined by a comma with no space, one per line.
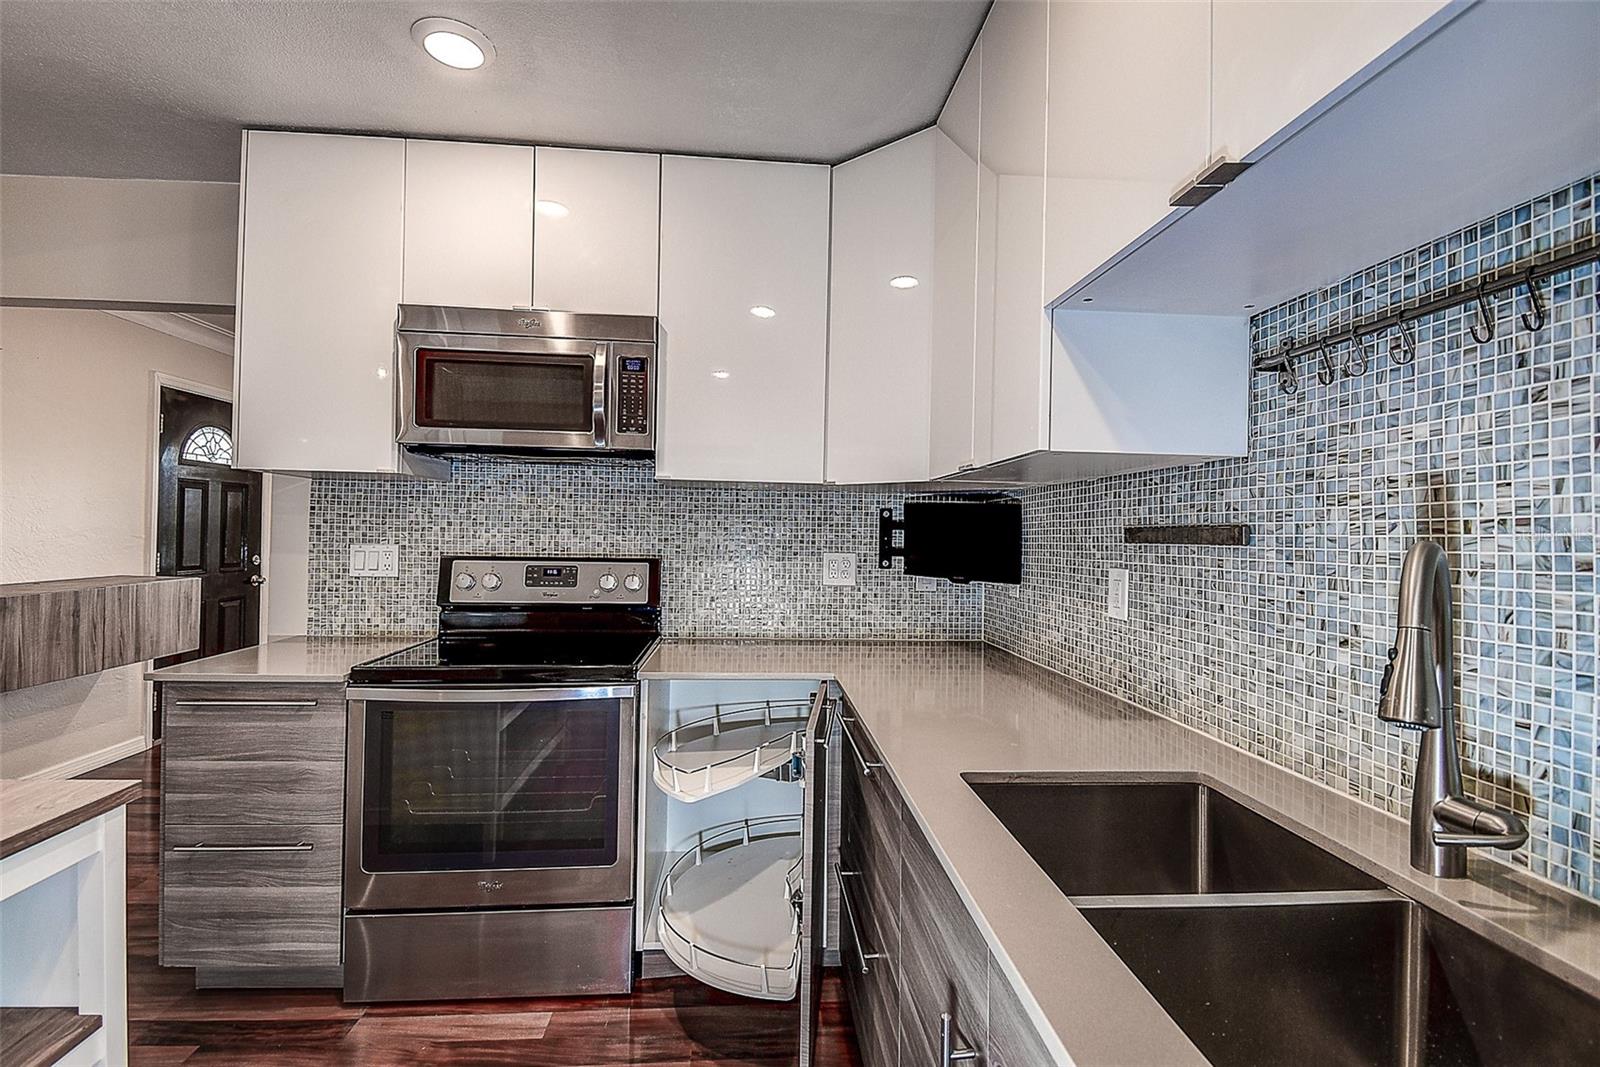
1121,838
1356,982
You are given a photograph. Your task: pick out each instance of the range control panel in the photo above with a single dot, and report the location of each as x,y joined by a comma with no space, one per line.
490,581
633,402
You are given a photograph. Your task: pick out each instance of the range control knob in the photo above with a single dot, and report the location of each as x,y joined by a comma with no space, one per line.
491,581
633,583
465,581
608,581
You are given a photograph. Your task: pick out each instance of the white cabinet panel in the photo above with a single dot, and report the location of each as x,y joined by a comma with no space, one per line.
1013,362
742,396
1273,62
954,290
319,278
469,224
596,242
879,334
1127,125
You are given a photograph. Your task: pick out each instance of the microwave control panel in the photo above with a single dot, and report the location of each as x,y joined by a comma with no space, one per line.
633,387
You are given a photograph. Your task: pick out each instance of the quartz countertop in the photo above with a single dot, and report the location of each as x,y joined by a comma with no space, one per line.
287,659
937,711
36,809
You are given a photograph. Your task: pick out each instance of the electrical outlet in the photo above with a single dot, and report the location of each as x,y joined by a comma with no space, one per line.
927,585
1117,593
375,561
838,568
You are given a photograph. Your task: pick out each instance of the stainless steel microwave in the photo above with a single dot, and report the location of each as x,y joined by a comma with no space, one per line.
483,379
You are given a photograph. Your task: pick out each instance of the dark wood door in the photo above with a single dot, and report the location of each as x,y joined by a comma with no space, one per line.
209,521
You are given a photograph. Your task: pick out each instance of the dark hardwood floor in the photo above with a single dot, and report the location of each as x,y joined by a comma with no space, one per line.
667,1022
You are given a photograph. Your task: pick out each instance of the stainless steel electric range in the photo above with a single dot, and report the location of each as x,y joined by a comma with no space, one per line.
489,810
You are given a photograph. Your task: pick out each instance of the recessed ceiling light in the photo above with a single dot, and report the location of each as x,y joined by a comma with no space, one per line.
1088,300
455,44
552,209
761,311
719,374
903,281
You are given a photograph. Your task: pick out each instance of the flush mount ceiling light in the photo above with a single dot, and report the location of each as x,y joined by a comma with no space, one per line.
552,209
455,44
761,311
903,281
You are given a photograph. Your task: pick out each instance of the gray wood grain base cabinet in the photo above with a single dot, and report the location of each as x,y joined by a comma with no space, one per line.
252,782
910,951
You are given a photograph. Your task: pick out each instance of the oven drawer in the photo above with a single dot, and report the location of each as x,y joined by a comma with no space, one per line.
244,896
252,755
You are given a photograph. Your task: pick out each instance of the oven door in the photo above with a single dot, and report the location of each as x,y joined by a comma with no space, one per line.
462,798
492,392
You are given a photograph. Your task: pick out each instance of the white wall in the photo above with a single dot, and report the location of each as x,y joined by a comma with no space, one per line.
288,554
104,241
77,459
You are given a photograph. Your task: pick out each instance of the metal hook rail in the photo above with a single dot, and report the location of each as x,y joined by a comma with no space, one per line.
1403,348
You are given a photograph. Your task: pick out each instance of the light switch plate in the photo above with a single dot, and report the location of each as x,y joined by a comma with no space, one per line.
838,568
375,561
1117,593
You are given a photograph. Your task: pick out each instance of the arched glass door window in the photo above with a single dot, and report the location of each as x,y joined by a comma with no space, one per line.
207,444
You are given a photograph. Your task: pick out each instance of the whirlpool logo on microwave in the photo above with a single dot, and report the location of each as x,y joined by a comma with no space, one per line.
490,885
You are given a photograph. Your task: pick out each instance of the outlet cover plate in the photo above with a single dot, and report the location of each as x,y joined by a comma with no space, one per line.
838,568
375,561
1117,581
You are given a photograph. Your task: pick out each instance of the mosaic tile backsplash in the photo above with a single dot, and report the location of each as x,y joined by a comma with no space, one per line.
737,560
1279,647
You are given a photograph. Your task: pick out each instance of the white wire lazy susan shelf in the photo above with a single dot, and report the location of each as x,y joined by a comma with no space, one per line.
731,746
726,908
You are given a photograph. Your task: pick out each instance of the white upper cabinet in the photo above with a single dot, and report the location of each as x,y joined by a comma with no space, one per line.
744,320
879,314
1127,125
321,233
1273,62
597,237
468,224
954,291
1012,394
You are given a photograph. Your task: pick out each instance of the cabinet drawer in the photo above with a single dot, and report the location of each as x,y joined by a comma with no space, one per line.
943,959
869,984
235,896
869,848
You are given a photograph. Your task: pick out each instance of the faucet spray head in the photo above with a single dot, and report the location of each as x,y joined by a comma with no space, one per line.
1410,694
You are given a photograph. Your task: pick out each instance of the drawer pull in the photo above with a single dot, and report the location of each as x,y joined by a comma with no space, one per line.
244,703
850,917
867,766
948,1053
298,846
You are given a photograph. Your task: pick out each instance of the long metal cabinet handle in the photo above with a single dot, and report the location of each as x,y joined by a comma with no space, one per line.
867,766
850,917
244,703
298,846
948,1053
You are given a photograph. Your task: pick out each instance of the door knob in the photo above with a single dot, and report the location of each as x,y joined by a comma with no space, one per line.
256,579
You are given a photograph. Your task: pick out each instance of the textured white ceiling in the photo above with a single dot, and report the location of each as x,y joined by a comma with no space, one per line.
161,88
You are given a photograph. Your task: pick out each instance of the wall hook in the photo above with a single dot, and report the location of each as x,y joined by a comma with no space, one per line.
1406,350
1356,361
1482,312
1534,322
1327,371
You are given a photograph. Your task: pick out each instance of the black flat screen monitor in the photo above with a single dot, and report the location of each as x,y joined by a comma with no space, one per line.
972,539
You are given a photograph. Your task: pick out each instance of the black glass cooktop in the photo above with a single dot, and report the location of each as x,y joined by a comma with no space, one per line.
511,659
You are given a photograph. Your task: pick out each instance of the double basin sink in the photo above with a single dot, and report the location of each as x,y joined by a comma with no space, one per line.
1266,949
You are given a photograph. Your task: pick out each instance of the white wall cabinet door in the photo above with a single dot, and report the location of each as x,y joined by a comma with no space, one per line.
879,314
469,224
321,236
1273,63
1127,125
742,394
596,242
955,260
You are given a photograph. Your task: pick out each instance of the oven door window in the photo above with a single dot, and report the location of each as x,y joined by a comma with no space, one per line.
491,786
502,391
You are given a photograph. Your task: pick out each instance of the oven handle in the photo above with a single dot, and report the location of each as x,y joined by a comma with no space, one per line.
466,695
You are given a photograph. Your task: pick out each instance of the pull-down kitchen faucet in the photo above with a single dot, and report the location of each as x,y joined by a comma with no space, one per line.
1418,693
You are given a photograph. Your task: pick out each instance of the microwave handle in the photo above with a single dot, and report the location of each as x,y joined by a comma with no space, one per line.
602,383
